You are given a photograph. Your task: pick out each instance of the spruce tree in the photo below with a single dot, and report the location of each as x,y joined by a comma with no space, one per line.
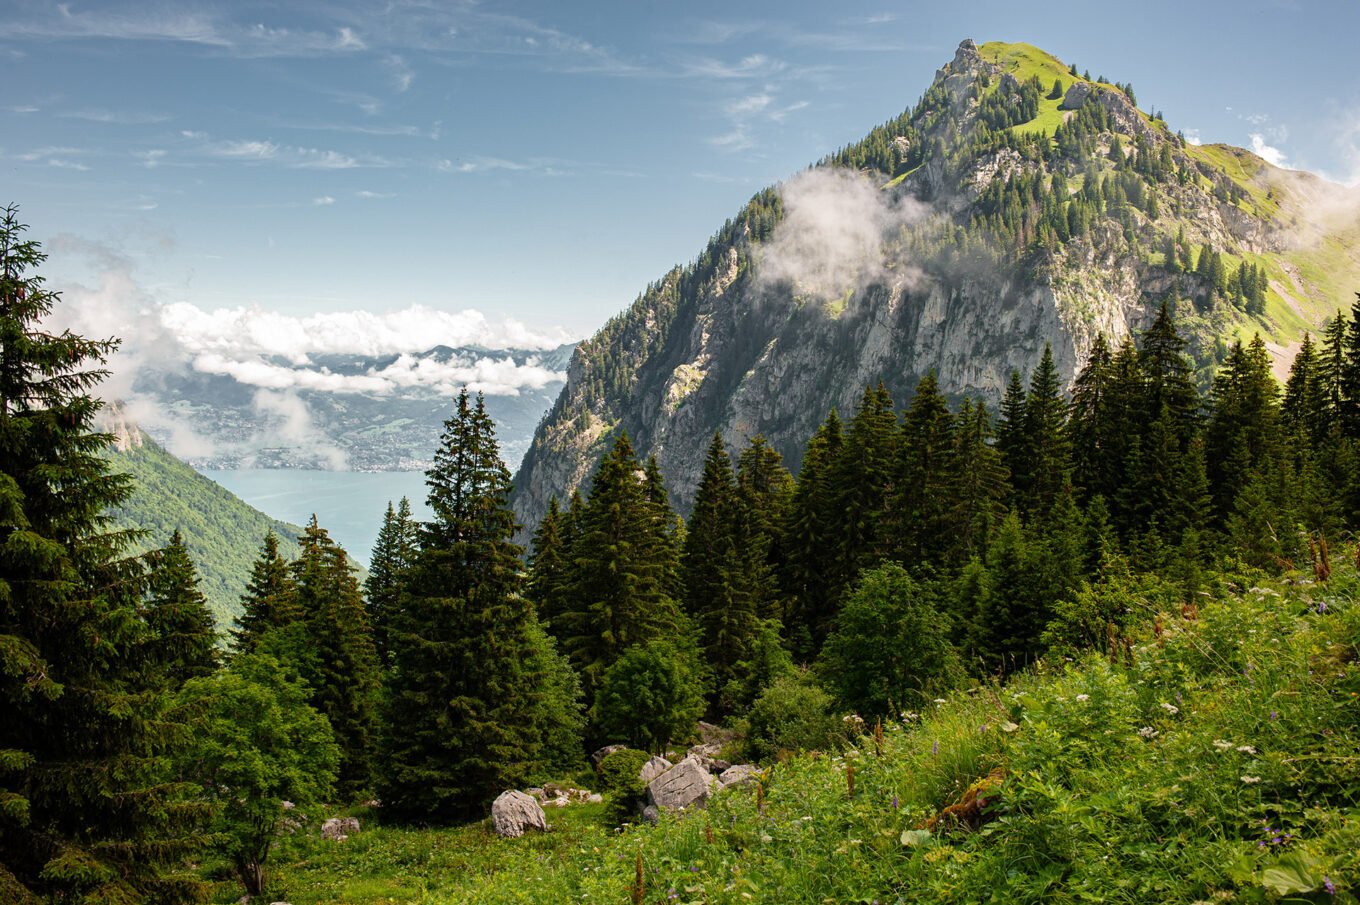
622,569
185,636
1046,440
810,542
548,566
1350,375
764,491
85,812
860,478
1242,435
269,602
1012,438
338,658
468,674
920,501
392,555
980,485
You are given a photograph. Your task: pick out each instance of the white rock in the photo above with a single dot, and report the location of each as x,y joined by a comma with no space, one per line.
514,812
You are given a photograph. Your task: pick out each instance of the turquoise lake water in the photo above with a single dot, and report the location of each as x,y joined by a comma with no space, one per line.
348,504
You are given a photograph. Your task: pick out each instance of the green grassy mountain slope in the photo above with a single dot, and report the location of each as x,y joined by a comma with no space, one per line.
999,214
222,533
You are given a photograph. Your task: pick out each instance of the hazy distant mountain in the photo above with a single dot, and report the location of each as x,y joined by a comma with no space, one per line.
1017,204
356,412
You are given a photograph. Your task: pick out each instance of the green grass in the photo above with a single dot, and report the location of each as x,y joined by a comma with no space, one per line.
1243,168
1217,759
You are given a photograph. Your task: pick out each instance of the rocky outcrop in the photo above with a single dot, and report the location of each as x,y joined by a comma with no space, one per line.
739,775
1075,96
513,813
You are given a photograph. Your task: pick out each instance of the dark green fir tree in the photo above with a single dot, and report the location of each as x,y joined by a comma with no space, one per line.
464,698
392,555
185,637
85,813
269,602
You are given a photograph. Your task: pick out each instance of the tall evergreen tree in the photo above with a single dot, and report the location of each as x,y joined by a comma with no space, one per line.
622,569
185,636
468,677
1350,375
810,542
1242,435
340,662
548,566
85,814
1046,440
764,491
860,478
392,555
980,485
1012,438
269,602
920,502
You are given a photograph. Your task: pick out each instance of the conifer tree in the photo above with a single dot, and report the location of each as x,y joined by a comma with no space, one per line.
467,681
980,485
860,478
1302,412
339,662
811,542
1046,441
392,555
920,504
548,566
1332,366
185,637
622,569
85,813
269,602
1242,435
1089,425
1350,375
764,491
1011,437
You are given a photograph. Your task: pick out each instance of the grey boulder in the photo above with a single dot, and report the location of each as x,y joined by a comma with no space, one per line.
513,812
687,783
654,768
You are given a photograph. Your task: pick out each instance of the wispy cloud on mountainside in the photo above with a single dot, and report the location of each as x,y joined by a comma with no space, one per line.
834,234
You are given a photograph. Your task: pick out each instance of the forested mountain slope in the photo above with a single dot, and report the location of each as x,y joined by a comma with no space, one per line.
1017,204
221,531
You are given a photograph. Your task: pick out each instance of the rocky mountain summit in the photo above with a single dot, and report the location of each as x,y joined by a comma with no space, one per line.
1016,205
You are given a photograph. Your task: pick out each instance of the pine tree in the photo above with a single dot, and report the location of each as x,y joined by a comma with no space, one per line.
340,662
392,555
764,491
269,601
622,572
980,485
85,813
1089,426
860,478
467,682
185,640
920,504
811,542
548,566
1350,375
1046,441
1011,437
1242,434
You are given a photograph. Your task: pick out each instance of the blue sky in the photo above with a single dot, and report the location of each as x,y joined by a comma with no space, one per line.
538,161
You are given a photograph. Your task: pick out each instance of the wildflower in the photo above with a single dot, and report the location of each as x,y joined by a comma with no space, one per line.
1249,779
1147,732
1170,708
1274,715
1222,745
1246,749
935,748
1322,606
1328,885
939,700
894,802
1083,697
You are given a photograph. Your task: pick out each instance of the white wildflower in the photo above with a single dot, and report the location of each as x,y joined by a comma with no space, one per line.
1222,745
1083,697
1170,708
1147,732
1249,779
1246,749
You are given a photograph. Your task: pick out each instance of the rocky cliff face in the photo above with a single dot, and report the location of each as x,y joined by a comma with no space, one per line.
767,330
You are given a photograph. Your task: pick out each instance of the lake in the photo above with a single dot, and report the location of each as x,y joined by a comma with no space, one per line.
348,504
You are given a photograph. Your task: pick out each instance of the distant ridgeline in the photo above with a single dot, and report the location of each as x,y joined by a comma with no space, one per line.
221,532
1017,204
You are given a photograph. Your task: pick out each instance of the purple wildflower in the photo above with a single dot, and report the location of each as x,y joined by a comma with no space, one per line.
1322,606
1328,885
894,802
935,749
1274,715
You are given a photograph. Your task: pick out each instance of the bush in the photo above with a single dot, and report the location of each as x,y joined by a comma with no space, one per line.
620,782
793,714
649,696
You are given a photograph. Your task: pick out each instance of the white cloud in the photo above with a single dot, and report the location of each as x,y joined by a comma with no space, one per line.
835,235
1268,153
1193,137
323,201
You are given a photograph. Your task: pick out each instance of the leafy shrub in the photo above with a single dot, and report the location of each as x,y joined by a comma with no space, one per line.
650,696
620,782
793,714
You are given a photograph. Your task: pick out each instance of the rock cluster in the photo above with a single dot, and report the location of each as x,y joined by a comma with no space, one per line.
691,782
338,829
555,796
